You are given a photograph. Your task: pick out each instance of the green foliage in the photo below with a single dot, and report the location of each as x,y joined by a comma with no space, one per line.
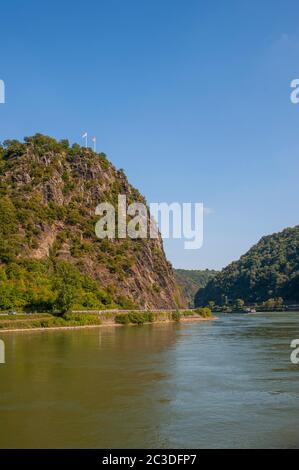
192,280
35,285
48,195
8,217
204,312
24,287
176,316
138,318
269,270
271,305
48,321
156,288
66,284
81,319
122,318
239,304
125,303
135,318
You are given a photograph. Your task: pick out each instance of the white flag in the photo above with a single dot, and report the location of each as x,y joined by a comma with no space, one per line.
84,135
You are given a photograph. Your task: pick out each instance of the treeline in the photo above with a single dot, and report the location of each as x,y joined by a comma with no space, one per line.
53,286
267,272
270,305
190,280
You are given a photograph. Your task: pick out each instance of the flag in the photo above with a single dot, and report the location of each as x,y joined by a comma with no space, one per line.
84,135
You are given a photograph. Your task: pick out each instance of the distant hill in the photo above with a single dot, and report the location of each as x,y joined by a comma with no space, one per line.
191,280
270,269
49,253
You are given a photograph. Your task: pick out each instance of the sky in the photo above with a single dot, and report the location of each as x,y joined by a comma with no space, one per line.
190,98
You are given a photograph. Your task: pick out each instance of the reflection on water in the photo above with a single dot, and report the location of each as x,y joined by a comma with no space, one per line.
227,383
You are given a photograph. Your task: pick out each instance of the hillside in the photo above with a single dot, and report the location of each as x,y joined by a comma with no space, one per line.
49,253
190,280
270,269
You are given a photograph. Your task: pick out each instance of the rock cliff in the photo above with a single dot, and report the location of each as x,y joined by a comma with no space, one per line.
48,195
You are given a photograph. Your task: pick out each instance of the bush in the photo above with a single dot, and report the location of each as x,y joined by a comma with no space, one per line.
125,303
135,318
187,313
204,312
69,319
176,316
151,317
122,318
81,319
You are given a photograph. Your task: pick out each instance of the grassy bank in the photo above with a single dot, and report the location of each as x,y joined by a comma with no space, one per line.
47,321
44,321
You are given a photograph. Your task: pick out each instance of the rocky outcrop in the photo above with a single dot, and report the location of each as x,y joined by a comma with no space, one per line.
54,190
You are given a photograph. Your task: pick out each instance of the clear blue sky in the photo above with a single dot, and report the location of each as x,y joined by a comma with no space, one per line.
191,98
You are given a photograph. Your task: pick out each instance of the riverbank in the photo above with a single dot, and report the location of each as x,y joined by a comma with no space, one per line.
71,321
56,328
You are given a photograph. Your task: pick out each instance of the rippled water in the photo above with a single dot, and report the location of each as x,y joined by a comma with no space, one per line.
226,383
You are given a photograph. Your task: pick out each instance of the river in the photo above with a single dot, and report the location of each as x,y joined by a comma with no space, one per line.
222,383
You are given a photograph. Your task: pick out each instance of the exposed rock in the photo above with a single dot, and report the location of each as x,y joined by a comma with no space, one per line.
55,190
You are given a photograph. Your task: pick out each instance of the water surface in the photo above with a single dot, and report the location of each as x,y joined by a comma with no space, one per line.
226,383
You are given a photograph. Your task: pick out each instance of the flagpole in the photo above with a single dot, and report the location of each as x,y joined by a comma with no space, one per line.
84,136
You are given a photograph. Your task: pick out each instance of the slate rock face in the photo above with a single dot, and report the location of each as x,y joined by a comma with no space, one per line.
52,191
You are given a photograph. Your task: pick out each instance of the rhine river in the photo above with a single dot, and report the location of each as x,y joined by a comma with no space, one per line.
223,383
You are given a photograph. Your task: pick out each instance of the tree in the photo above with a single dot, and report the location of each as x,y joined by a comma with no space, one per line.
66,285
278,303
269,270
240,304
65,298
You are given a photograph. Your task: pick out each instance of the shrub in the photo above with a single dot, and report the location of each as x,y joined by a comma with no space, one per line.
122,318
151,317
81,319
187,313
135,318
204,312
176,316
125,303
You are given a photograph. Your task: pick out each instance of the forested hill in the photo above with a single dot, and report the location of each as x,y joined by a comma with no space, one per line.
190,280
49,253
270,269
